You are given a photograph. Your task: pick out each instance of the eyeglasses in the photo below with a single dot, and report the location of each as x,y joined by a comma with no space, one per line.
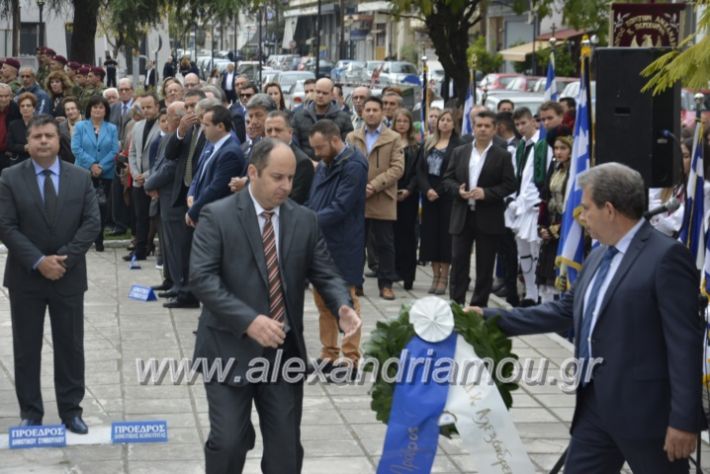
245,96
123,89
24,76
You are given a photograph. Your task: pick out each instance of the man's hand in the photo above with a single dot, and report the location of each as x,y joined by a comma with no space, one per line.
52,267
140,180
432,195
478,194
187,121
237,184
473,309
679,444
465,195
266,331
153,194
350,322
190,201
188,220
96,170
402,194
369,190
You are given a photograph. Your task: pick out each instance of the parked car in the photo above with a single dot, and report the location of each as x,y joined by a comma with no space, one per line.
560,82
495,81
531,100
399,72
355,72
295,94
324,66
339,68
525,83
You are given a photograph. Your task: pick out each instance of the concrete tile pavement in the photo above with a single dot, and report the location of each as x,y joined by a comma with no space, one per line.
339,431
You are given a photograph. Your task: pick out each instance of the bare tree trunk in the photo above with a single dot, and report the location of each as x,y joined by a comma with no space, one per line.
16,22
84,32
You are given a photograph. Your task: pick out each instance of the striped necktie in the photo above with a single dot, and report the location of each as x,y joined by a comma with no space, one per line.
277,309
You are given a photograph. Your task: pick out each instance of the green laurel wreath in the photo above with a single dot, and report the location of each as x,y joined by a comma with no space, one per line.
390,338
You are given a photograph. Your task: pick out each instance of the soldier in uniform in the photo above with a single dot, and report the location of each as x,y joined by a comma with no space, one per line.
9,74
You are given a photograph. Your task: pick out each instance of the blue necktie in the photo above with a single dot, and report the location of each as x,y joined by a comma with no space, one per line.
206,152
585,330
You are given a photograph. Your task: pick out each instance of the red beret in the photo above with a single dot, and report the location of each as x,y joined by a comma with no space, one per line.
84,70
99,71
12,62
60,59
49,52
73,65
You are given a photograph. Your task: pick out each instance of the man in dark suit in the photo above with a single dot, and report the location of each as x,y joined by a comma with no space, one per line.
151,76
634,307
277,126
120,115
227,83
478,177
48,220
259,232
219,161
9,111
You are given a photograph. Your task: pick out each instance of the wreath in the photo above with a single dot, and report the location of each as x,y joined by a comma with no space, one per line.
389,339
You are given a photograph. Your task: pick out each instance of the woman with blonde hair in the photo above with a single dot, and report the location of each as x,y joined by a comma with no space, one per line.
436,206
58,86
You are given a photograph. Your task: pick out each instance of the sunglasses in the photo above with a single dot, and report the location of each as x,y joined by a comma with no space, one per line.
245,96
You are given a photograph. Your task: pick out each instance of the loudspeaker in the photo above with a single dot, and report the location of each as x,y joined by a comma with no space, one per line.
634,128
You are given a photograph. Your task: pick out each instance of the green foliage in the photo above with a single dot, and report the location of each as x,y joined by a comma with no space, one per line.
480,59
691,66
408,52
565,65
391,337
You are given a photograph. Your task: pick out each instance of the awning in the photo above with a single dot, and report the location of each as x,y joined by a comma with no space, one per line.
517,53
289,30
374,7
562,35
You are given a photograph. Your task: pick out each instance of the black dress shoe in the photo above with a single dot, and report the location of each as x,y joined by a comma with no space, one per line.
164,286
181,303
100,247
527,303
129,257
76,425
167,294
117,232
30,422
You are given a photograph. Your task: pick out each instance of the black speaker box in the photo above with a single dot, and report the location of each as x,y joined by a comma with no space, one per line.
632,127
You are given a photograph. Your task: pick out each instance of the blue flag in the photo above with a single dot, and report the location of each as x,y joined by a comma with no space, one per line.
692,232
570,252
467,126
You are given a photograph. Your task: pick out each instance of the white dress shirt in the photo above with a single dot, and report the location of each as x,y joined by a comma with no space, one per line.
622,246
475,164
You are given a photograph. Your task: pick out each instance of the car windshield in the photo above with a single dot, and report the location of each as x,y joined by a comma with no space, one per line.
506,80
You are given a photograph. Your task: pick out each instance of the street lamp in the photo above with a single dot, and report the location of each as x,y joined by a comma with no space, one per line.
40,4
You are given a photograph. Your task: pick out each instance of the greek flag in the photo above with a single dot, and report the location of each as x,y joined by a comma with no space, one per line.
467,126
550,85
692,232
570,252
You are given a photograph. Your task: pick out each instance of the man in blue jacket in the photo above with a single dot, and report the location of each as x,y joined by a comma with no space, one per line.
338,198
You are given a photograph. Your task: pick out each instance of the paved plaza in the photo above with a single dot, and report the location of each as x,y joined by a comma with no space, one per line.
340,433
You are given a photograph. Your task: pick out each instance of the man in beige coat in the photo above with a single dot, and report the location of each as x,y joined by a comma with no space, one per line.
385,158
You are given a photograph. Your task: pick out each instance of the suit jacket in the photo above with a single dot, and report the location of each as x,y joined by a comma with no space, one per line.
119,119
138,159
179,150
648,334
497,179
17,139
28,234
238,112
161,179
304,176
89,150
211,181
228,245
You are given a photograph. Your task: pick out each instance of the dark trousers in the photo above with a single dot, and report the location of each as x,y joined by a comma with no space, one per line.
405,238
279,406
141,208
173,238
461,246
593,450
66,315
120,211
104,209
383,243
508,261
184,293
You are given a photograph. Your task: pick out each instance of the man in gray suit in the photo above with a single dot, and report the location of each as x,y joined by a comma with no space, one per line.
172,220
144,132
49,218
261,233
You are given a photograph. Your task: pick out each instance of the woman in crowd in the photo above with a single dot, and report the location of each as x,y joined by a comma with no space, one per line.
273,89
436,205
550,219
215,77
432,119
670,222
58,86
405,228
95,144
17,129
